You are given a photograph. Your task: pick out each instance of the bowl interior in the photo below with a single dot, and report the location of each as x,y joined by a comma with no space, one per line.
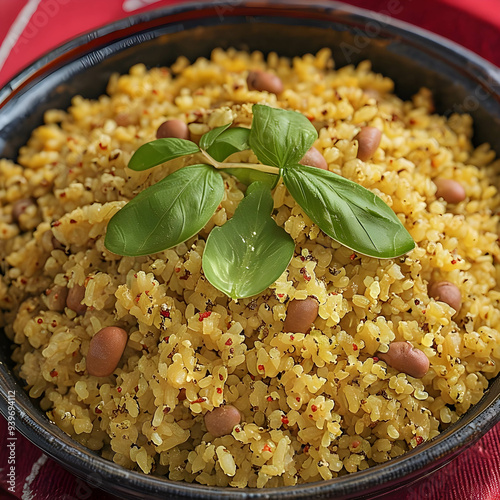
461,82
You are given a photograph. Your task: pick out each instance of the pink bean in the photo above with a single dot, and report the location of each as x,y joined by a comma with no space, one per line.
105,351
402,356
300,315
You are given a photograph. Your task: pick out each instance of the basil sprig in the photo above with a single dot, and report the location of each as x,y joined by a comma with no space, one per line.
249,252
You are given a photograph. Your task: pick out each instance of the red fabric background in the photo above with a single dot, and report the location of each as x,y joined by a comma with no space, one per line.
475,24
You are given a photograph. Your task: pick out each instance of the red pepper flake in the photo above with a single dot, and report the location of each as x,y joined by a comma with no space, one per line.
166,338
155,92
237,429
292,337
54,324
260,368
24,281
284,420
177,269
314,408
231,351
352,256
306,448
119,389
39,321
355,444
136,388
199,400
166,410
53,373
281,295
135,275
252,377
419,439
266,447
221,377
423,311
56,223
229,342
72,221
305,274
62,195
204,315
298,399
270,398
165,314
137,298
302,258
98,410
375,359
354,347
454,261
219,390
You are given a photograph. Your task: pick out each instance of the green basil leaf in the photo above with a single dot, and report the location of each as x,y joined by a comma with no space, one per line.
249,175
280,137
250,251
208,139
230,141
160,151
348,213
167,213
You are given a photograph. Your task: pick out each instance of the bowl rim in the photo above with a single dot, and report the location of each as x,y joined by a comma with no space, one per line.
45,434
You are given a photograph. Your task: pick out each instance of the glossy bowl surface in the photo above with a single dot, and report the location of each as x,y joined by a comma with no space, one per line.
460,80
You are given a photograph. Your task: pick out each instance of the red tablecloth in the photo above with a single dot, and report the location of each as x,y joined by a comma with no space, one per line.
29,28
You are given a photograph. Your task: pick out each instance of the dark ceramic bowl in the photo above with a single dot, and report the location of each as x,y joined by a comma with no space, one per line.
460,80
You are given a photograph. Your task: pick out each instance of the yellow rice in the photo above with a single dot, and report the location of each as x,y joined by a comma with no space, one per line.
314,406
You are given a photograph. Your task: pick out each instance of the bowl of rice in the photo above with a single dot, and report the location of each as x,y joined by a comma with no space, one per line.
349,374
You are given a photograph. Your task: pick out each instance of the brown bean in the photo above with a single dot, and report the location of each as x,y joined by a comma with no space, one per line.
221,421
403,357
446,292
74,299
368,141
300,315
173,128
451,191
124,119
56,298
105,351
263,81
20,206
314,158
